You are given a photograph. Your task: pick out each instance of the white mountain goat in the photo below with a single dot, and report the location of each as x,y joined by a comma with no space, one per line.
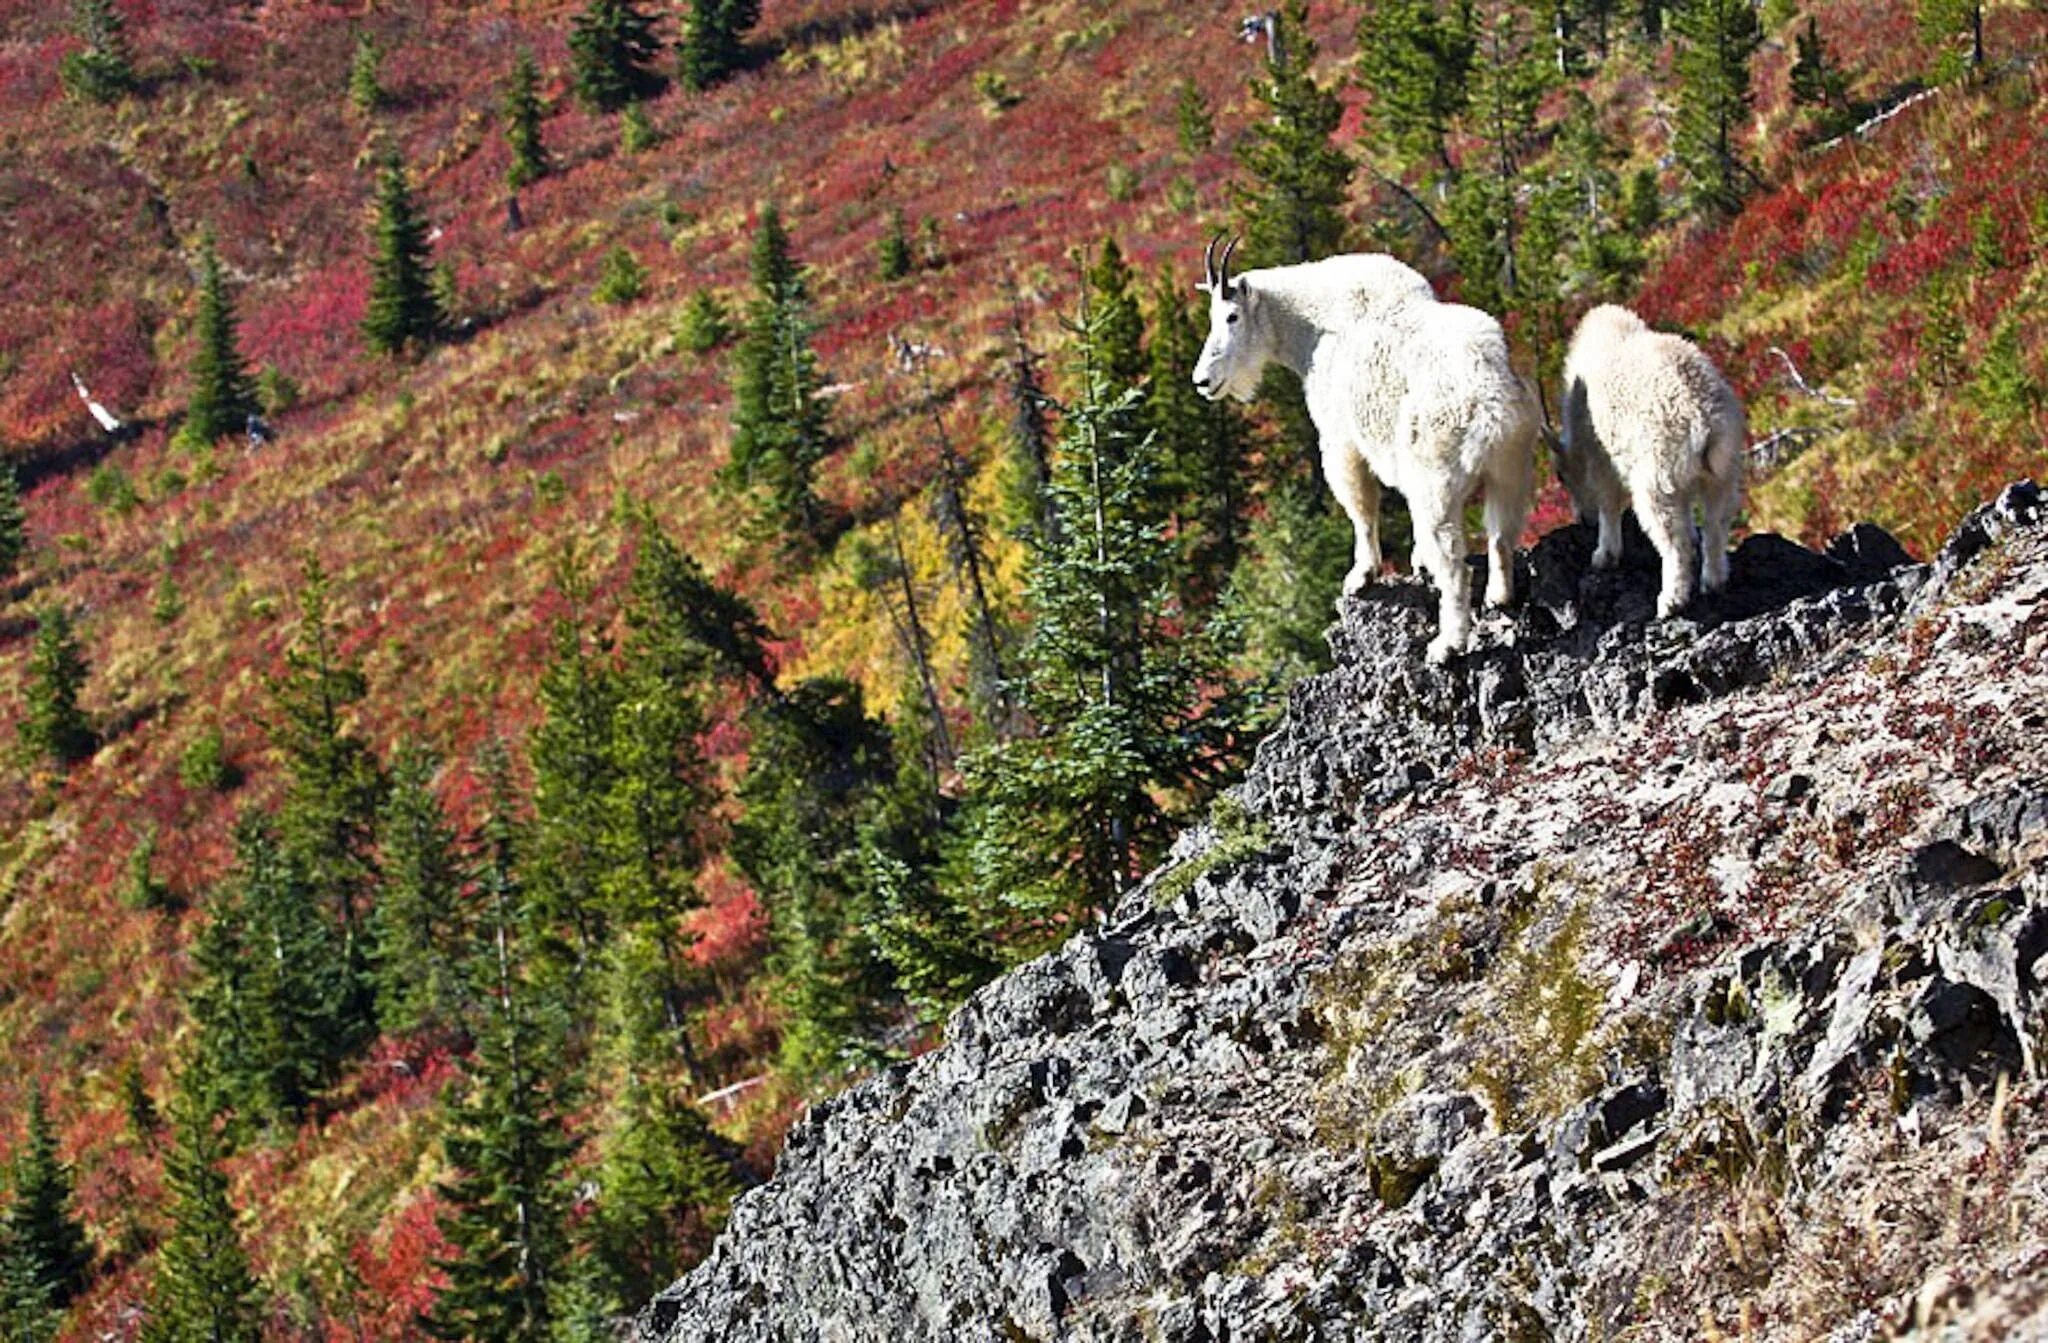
1648,417
1405,391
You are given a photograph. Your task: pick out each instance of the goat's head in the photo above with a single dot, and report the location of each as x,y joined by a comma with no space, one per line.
1235,353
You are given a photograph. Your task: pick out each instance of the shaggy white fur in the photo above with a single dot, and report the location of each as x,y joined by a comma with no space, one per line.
1405,391
1648,418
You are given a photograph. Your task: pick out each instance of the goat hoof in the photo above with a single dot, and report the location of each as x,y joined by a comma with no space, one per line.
1606,559
1442,649
1357,581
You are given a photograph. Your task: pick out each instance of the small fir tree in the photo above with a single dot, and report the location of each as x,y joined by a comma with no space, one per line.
327,821
365,91
40,1222
522,124
223,395
572,776
203,1291
1816,81
780,431
103,71
1204,450
13,520
403,312
1717,40
704,325
614,49
1194,123
1415,57
1119,337
52,725
714,40
892,253
26,1312
506,1145
419,920
621,279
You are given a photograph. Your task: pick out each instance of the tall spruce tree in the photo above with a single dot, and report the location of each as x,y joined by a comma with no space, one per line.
276,1002
779,424
522,112
1120,322
816,761
13,520
223,395
714,40
614,50
103,71
1717,39
507,1145
52,724
404,311
419,922
203,1291
1059,824
327,822
573,775
39,1221
1414,57
1292,208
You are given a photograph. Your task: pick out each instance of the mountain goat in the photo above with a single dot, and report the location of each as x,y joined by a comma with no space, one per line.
1649,418
1405,391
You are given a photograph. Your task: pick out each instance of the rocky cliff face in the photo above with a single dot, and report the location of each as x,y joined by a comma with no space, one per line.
1627,979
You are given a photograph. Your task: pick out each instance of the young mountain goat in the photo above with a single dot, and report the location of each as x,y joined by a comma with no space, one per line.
1405,391
1648,417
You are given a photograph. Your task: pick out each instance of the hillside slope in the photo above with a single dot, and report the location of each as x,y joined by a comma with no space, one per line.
1643,980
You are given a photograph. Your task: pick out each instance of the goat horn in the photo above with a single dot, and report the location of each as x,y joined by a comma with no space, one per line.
1223,276
1209,261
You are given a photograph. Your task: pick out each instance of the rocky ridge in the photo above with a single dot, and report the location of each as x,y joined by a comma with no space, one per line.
1624,979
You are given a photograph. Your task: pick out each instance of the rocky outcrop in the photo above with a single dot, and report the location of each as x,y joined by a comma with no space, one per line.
1626,978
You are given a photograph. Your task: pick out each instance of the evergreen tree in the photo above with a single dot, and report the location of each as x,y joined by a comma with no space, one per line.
614,50
1415,57
13,520
1815,82
1030,442
573,774
275,1001
1194,123
522,124
204,1291
39,1222
714,39
704,325
403,311
1281,594
103,71
1059,824
52,724
1204,450
779,427
365,92
1508,79
817,758
892,253
26,1312
419,919
664,1178
1292,210
223,393
507,1144
328,820
1717,39
621,279
884,570
1120,324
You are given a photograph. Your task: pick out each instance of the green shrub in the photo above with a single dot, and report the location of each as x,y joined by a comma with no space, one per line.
111,490
622,280
205,766
704,325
